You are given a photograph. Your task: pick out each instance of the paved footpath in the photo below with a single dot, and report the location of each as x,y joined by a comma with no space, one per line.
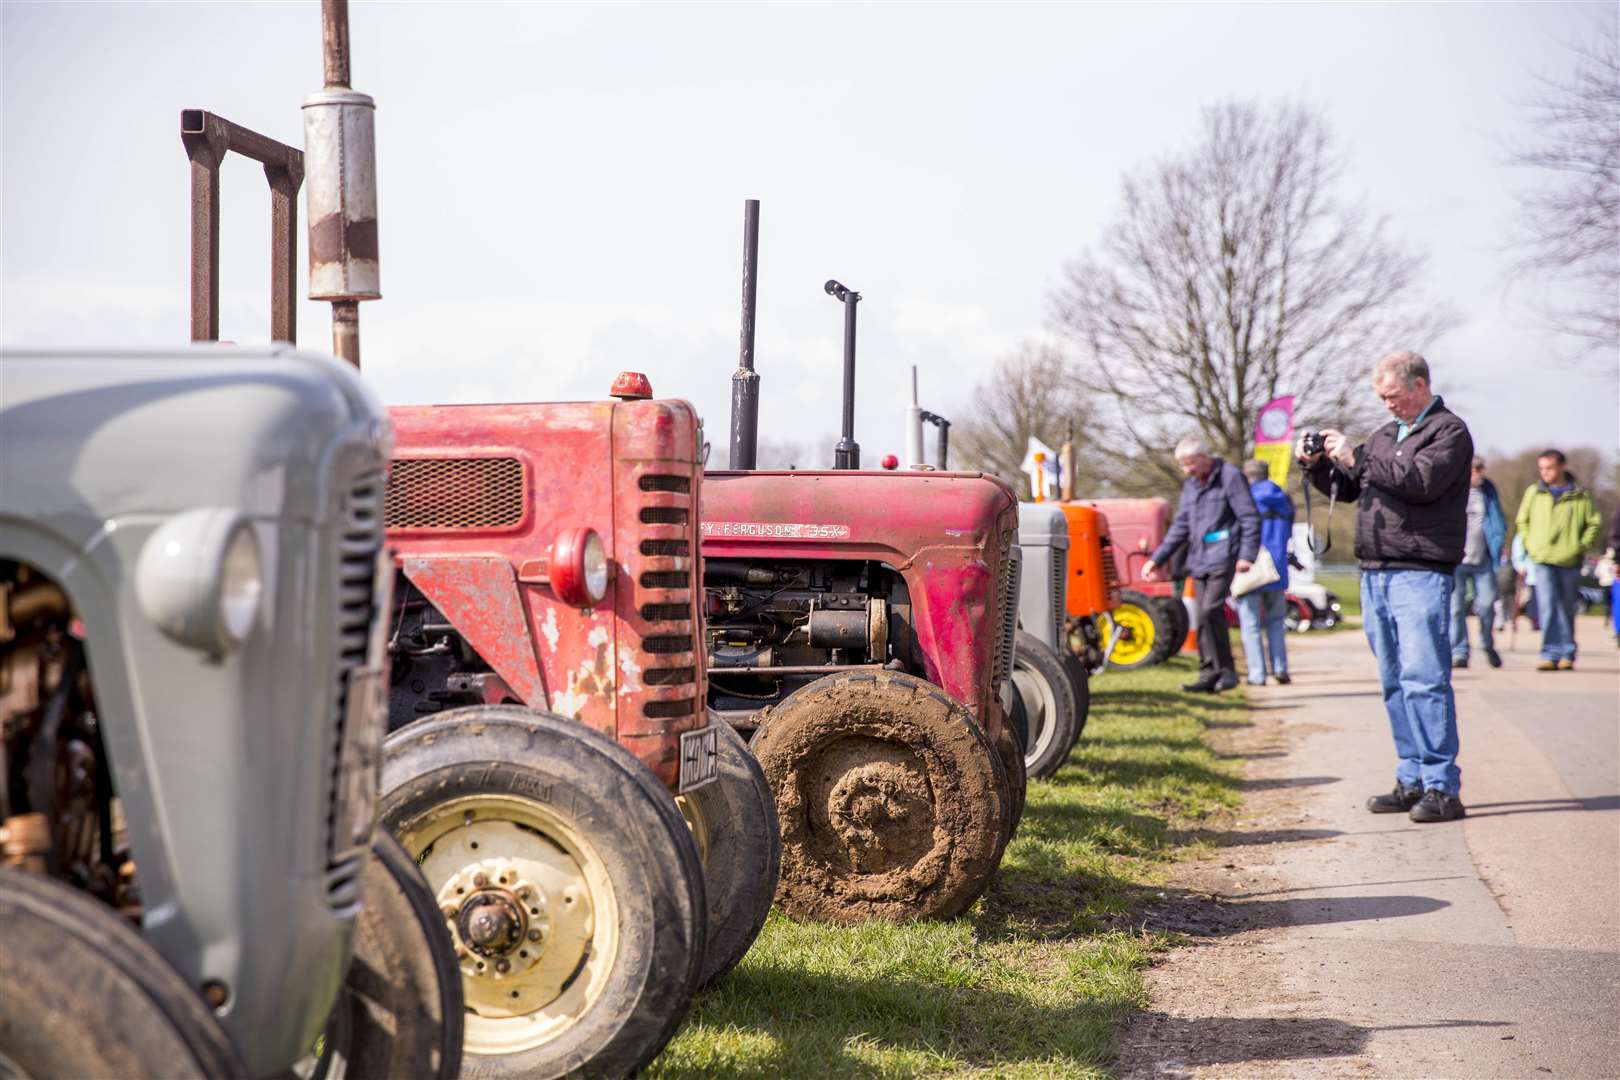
1377,947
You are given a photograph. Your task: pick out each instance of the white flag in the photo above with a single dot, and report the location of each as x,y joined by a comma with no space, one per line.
1041,465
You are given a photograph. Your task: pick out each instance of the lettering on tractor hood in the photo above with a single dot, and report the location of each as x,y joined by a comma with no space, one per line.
777,530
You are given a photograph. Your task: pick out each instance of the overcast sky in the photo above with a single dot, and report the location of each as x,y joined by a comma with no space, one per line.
562,187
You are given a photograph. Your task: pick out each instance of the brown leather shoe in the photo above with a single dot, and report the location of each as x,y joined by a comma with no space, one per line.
1547,665
1566,665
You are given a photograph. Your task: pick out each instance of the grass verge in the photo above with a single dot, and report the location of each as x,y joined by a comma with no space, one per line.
1036,978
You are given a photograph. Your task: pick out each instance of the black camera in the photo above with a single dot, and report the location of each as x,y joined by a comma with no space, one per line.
1312,443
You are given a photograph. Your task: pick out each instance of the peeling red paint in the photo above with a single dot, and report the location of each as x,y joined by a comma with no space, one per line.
628,469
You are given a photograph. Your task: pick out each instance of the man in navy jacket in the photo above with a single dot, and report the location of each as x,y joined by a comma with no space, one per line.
1218,522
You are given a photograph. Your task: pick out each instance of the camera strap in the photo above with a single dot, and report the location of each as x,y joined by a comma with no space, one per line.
1310,528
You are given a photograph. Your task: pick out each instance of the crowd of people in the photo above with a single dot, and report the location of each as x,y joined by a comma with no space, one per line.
1431,538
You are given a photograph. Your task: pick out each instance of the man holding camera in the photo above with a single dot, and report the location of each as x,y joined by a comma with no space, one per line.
1218,522
1410,482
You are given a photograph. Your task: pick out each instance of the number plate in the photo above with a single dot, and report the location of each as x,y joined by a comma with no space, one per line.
700,757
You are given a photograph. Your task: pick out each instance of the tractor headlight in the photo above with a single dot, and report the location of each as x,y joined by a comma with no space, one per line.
577,568
200,580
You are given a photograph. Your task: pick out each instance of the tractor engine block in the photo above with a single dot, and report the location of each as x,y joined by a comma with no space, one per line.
773,626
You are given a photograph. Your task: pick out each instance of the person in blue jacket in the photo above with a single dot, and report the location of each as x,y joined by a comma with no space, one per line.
1482,554
1217,521
1262,613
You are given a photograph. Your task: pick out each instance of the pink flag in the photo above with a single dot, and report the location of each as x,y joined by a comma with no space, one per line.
1274,422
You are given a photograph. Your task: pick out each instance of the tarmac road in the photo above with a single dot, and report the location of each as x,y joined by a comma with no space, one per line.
1485,948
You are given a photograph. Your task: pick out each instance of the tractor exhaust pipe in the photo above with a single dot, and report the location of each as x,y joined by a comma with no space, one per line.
847,454
944,427
914,423
340,169
745,381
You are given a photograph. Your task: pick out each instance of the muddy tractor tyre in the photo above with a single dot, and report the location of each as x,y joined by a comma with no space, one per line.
568,879
1045,687
892,801
1080,684
86,995
733,820
401,1012
1010,753
1148,637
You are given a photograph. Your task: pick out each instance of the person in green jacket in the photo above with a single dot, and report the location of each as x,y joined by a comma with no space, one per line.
1558,522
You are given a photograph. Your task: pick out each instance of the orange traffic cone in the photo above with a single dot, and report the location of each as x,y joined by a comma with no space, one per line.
1187,594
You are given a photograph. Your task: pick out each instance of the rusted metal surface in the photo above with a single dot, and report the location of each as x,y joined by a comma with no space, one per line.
207,139
946,533
335,41
631,667
340,139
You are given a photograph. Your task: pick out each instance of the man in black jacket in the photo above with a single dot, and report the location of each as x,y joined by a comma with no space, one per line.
1410,483
1218,522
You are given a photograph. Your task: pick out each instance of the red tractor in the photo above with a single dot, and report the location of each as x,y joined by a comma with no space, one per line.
548,699
861,625
1151,620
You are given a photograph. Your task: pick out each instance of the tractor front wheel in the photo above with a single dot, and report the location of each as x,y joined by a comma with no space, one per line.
1146,635
1047,692
893,803
86,995
733,820
568,879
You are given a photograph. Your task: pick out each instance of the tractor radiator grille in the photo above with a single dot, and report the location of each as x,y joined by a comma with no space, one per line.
665,600
454,493
1060,570
359,540
1012,564
1110,572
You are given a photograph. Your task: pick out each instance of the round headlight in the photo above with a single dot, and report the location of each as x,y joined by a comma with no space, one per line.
199,579
595,568
578,568
240,585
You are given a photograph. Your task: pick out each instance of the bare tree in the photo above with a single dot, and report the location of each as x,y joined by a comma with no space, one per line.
1571,222
1029,393
1232,274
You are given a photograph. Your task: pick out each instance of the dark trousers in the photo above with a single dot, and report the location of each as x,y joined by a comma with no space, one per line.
1214,636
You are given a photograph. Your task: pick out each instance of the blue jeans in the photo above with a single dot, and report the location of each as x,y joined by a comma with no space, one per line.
1261,613
1556,590
1482,577
1406,615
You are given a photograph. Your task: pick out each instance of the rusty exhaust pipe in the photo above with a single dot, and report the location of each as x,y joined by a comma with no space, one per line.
340,154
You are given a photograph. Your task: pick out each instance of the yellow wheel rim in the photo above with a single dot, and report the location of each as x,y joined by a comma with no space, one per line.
531,910
692,812
1135,645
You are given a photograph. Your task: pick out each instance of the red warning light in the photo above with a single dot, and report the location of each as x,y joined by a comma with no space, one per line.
630,386
890,461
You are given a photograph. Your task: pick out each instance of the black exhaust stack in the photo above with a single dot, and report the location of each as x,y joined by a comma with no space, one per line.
944,427
847,454
745,381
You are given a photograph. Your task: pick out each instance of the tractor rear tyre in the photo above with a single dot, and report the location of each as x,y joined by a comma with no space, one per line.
1147,637
86,995
568,879
401,1013
893,802
1045,687
733,819
1180,621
